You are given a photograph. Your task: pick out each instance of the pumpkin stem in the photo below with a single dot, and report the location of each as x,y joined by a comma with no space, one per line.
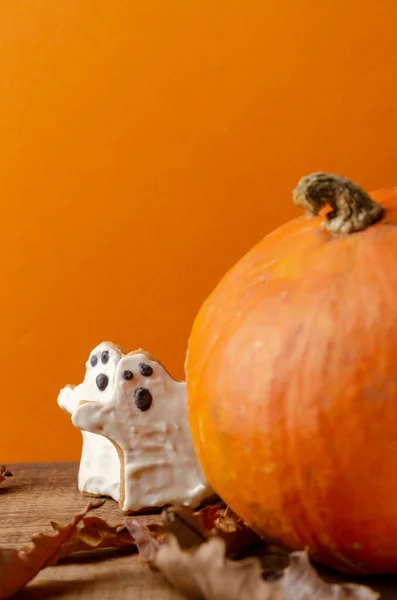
351,208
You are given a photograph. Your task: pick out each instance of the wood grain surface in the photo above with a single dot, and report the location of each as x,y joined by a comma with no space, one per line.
44,492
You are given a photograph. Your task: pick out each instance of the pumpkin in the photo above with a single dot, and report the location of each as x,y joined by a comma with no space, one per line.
292,379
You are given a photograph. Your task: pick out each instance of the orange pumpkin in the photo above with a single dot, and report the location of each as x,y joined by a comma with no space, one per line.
292,380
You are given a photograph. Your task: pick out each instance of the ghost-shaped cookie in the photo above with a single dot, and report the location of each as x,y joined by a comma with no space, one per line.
99,472
146,419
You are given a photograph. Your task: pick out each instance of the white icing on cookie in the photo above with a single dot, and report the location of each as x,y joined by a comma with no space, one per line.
99,471
147,419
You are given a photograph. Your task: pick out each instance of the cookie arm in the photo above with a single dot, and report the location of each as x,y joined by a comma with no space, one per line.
67,399
91,416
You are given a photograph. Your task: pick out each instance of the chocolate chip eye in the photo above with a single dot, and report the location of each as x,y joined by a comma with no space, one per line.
94,360
128,375
143,399
146,370
105,357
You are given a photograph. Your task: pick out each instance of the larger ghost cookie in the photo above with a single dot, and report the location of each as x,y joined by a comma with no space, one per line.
146,419
99,472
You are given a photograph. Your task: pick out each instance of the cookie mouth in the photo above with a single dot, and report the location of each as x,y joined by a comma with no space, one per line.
102,381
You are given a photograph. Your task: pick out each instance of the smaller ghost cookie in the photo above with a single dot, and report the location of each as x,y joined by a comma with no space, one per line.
99,472
146,419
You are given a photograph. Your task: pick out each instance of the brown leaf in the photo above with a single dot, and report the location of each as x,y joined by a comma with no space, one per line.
148,539
187,526
18,567
204,573
4,472
95,534
300,581
192,528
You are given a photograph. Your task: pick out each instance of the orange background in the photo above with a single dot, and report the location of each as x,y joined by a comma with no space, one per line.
144,146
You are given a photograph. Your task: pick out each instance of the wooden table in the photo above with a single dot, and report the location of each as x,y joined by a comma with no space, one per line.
40,493
43,492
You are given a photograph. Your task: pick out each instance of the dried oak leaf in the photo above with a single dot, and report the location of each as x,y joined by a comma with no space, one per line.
204,573
4,472
192,528
18,567
93,533
147,539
